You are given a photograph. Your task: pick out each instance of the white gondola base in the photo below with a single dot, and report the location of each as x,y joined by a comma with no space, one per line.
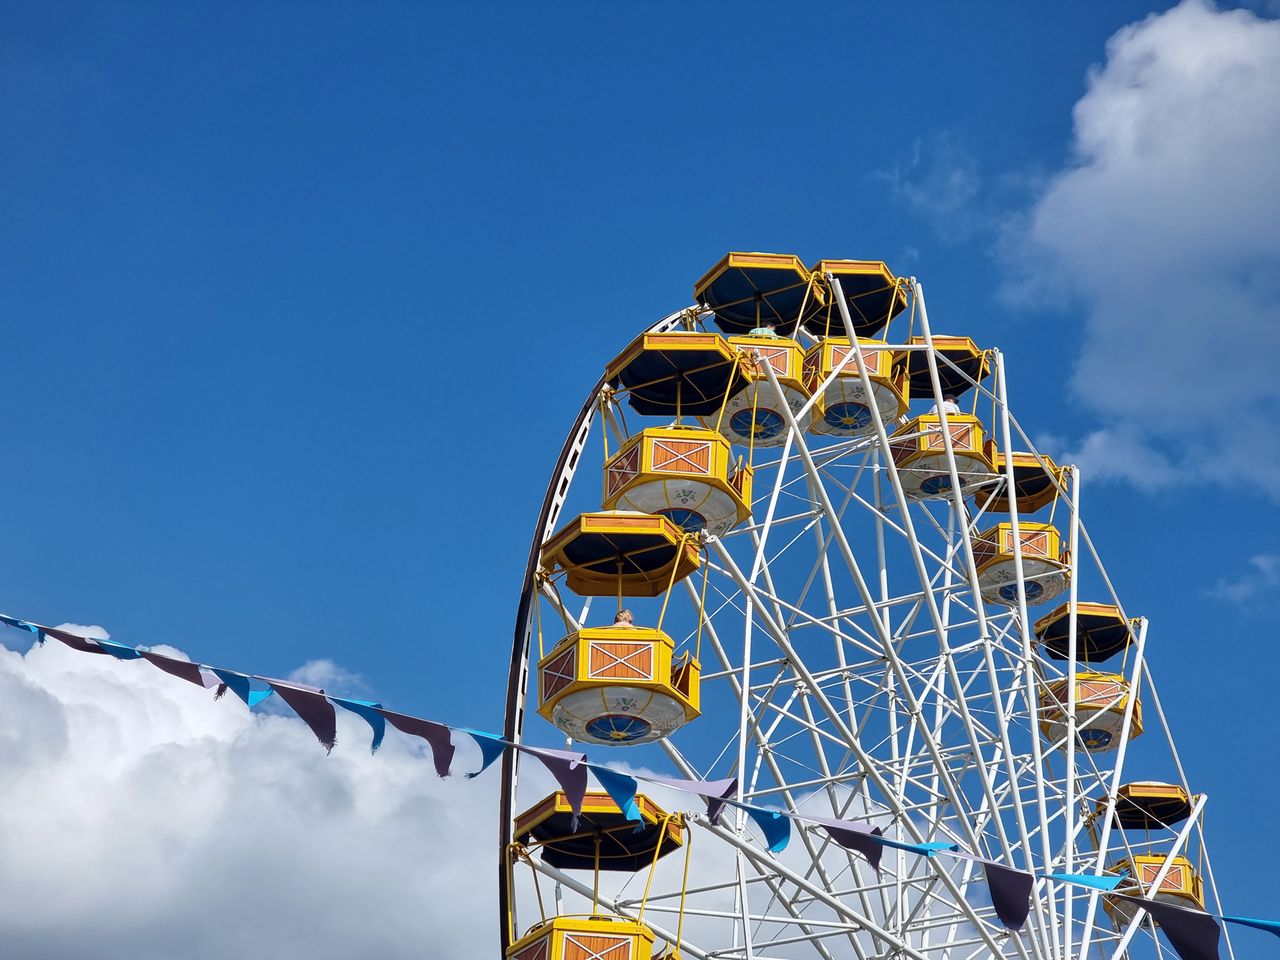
758,404
1042,581
847,409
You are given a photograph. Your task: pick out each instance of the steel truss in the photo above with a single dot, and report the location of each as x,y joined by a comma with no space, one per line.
853,670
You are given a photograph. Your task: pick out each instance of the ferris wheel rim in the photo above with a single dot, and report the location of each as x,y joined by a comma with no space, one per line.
1048,947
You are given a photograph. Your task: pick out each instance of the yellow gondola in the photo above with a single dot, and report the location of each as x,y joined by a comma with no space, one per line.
846,405
604,836
679,373
1045,563
595,937
1100,705
1036,481
874,296
620,553
753,415
1101,631
919,451
686,474
617,685
972,363
1148,805
1181,887
746,290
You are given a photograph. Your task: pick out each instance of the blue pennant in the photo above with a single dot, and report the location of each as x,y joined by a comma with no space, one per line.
1088,880
118,650
1271,926
23,625
372,713
491,747
924,849
621,788
775,826
238,684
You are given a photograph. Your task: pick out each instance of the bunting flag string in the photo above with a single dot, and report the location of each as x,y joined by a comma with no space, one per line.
1192,933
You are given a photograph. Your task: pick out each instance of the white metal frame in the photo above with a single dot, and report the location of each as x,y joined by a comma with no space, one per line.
852,670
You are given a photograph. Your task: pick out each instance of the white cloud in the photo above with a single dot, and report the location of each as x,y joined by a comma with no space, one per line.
938,180
1165,231
328,675
1262,579
140,819
1114,455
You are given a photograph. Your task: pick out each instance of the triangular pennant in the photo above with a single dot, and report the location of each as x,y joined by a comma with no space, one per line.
83,644
924,849
119,650
491,747
621,788
775,826
238,683
1193,934
184,669
570,771
715,792
310,704
1271,926
436,735
1088,880
1010,893
852,835
372,714
22,625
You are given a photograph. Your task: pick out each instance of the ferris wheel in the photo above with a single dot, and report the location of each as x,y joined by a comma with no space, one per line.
829,563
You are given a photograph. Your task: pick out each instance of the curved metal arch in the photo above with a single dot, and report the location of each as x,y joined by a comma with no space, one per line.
518,670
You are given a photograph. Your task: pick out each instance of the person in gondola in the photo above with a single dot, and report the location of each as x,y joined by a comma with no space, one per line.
767,329
949,406
623,619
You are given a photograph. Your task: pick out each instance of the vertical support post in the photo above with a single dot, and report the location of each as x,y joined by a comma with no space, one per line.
1163,872
1109,813
1069,838
1024,623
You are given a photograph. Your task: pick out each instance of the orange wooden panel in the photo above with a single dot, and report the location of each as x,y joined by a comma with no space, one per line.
777,357
870,359
623,469
903,449
682,456
1098,691
983,551
1034,543
620,661
534,951
558,674
581,946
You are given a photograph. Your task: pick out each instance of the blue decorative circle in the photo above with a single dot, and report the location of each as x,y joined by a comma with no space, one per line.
936,484
688,520
618,728
1096,739
848,416
767,424
1010,591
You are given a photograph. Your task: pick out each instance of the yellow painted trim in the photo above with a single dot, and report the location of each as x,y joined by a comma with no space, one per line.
743,260
719,465
671,342
1083,608
555,928
662,673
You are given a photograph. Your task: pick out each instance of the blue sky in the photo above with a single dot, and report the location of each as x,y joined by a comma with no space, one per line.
299,301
